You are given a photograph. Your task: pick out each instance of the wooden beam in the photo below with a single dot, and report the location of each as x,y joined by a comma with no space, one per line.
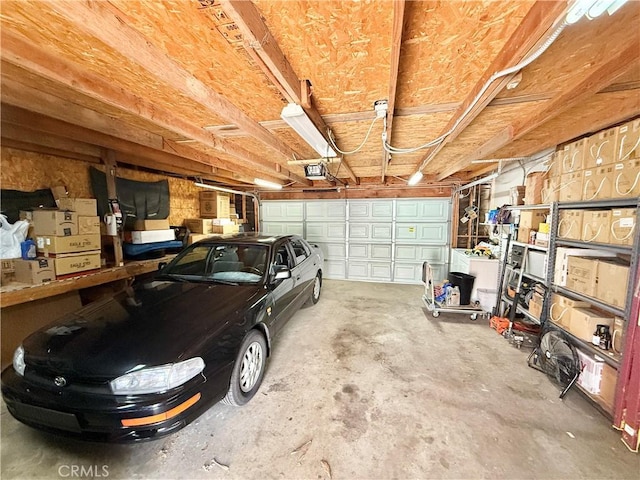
105,22
109,160
396,47
32,147
617,63
45,140
535,26
34,59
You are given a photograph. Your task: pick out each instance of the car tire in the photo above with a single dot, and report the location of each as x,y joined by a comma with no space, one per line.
316,290
248,369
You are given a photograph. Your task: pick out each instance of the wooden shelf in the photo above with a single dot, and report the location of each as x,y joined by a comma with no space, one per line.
17,293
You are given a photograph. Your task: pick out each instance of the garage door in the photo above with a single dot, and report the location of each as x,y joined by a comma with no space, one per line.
372,240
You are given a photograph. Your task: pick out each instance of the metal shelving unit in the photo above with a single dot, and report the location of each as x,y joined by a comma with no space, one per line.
631,252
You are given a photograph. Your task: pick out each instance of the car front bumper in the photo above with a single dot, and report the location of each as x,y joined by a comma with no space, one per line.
108,418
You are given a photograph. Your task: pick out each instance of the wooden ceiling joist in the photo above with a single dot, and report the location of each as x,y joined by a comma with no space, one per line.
611,67
104,22
17,51
396,47
538,22
264,49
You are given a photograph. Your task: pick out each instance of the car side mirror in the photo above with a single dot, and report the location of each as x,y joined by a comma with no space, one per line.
161,265
281,272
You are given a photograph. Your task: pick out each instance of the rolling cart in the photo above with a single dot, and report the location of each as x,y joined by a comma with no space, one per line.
435,307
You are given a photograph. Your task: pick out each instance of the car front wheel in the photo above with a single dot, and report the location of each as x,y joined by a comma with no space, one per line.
248,369
317,287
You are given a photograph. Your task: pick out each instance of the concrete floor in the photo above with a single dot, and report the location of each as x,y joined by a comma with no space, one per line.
366,384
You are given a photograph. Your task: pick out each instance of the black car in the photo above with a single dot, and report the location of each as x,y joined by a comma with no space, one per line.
149,360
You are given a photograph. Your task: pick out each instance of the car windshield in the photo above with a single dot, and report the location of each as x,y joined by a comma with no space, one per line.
228,263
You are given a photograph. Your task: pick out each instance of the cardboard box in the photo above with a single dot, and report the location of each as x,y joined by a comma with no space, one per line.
55,222
596,226
36,271
554,165
59,191
524,234
597,183
542,238
626,181
623,224
155,224
550,189
573,158
225,229
561,267
516,195
601,149
88,225
533,218
214,209
198,225
152,236
533,188
68,263
617,335
591,373
582,274
628,141
561,308
86,207
612,280
570,189
584,322
570,224
73,244
535,305
7,271
608,381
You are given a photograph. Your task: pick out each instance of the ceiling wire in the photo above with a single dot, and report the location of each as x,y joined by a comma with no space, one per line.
358,148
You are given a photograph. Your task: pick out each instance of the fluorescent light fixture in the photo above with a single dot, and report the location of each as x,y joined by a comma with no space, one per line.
415,178
480,181
614,6
578,10
222,189
267,184
297,119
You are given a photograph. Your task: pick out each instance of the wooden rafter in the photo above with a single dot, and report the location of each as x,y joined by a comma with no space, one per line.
264,49
33,58
615,65
542,16
396,47
104,22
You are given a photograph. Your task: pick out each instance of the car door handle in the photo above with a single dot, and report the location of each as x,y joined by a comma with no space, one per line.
298,277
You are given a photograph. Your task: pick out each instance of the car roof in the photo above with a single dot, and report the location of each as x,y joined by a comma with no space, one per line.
250,237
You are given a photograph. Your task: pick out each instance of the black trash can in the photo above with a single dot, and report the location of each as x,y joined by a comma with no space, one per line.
464,282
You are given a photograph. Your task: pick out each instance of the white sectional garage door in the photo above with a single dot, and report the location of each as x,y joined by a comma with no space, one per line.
374,240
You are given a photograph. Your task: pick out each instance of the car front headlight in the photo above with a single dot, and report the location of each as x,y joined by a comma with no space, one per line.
18,361
157,379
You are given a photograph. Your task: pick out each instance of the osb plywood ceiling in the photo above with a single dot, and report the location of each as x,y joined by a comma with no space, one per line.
196,87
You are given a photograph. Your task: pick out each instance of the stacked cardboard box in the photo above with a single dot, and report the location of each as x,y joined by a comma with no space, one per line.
216,217
58,236
150,231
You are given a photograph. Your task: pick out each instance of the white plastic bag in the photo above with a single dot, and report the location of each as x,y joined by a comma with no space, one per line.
11,236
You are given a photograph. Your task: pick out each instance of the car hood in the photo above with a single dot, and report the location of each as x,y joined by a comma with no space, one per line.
162,323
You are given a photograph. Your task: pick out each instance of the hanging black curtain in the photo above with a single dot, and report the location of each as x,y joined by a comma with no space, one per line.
138,200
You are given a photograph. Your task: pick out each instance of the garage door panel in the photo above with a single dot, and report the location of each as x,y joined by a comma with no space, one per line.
283,228
412,272
422,210
325,211
332,250
326,231
370,251
434,233
381,231
283,211
432,254
363,210
360,251
380,271
358,231
335,269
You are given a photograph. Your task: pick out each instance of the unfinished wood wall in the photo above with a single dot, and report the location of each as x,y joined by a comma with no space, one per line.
28,171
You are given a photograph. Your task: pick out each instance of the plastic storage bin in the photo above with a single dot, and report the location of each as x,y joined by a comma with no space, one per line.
464,282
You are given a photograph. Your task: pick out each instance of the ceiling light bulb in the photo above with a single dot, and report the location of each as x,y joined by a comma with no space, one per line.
415,178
